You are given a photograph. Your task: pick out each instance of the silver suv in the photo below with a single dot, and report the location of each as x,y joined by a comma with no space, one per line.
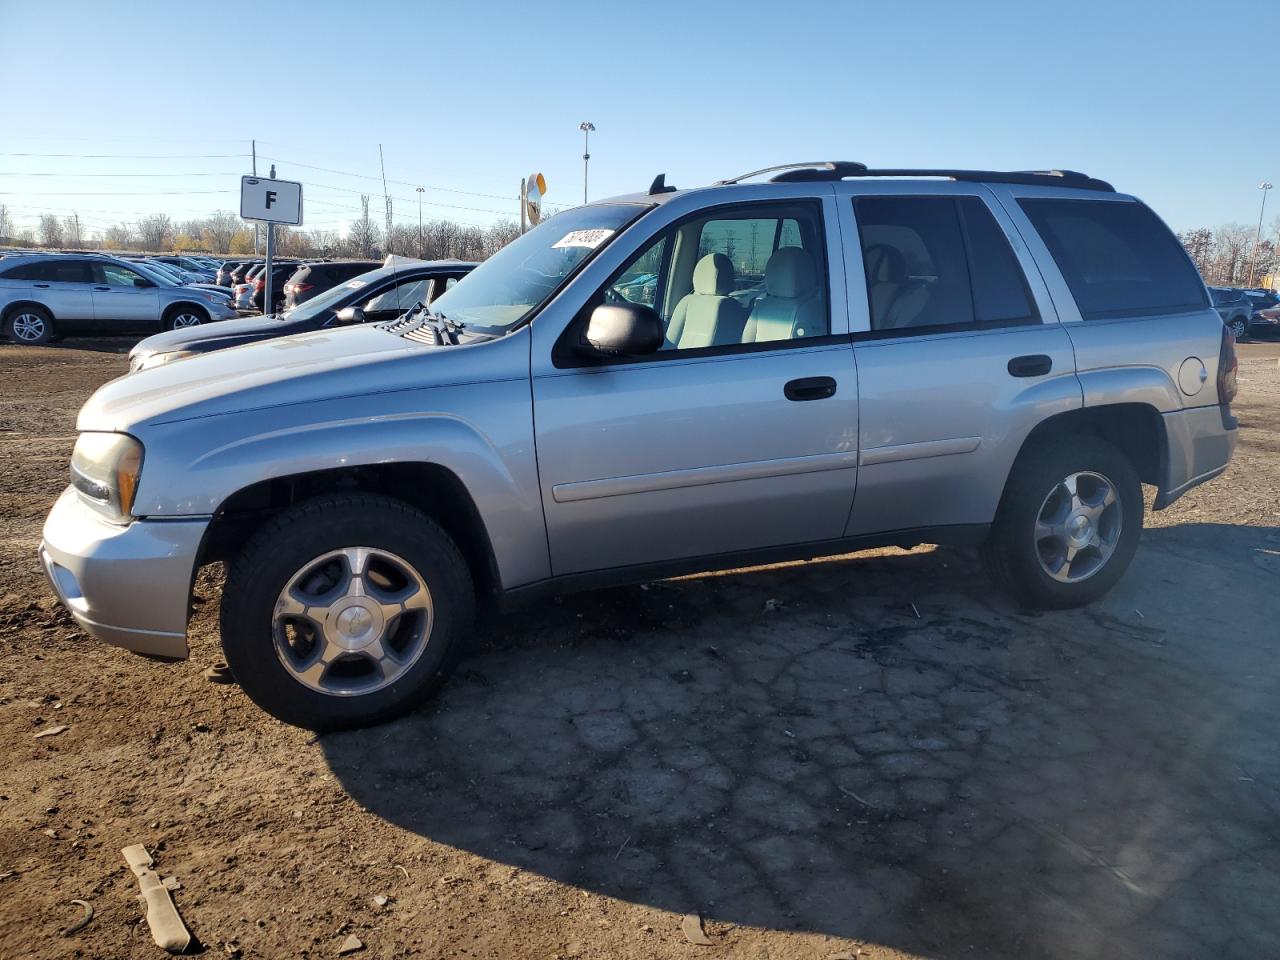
663,383
46,296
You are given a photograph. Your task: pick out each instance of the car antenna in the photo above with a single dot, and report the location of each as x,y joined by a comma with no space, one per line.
659,185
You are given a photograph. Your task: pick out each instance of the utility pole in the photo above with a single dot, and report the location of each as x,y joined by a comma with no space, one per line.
1264,186
266,270
421,239
254,147
586,127
387,197
77,219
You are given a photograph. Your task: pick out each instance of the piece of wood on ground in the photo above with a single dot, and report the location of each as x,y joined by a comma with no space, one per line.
691,926
167,928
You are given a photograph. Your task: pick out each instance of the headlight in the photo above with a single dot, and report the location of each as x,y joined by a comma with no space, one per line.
105,468
160,359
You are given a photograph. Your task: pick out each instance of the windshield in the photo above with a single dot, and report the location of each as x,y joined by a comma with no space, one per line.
150,271
527,272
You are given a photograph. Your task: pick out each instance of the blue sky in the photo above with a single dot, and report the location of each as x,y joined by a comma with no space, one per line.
468,97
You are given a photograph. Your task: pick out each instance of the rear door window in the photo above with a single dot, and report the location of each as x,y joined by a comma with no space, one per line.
1117,257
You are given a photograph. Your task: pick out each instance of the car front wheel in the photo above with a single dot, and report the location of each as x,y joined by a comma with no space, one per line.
345,611
1069,523
1239,327
181,317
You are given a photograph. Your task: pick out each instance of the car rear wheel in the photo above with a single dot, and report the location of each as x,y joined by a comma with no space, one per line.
345,611
1069,523
1239,327
31,325
184,316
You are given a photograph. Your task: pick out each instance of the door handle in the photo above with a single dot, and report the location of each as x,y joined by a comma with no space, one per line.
810,388
41,286
103,289
1032,365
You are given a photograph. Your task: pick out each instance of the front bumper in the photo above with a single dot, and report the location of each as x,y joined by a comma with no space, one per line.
1199,444
126,585
223,311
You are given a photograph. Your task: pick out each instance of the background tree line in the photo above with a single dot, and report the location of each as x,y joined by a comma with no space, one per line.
223,232
1228,257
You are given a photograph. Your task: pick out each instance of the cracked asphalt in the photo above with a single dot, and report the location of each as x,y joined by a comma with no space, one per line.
869,756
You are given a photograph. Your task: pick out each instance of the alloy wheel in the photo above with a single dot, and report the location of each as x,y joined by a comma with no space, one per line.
28,327
1078,527
186,320
352,621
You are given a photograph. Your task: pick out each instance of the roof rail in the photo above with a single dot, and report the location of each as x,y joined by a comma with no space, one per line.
1043,178
817,170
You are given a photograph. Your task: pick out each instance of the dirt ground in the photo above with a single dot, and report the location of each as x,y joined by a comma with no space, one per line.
870,756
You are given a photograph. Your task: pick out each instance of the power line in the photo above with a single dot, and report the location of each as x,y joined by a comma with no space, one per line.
132,156
11,173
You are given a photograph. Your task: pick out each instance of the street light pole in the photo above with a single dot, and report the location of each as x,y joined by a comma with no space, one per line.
421,243
1264,186
586,127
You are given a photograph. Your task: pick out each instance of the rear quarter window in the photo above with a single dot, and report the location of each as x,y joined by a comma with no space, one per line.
1118,259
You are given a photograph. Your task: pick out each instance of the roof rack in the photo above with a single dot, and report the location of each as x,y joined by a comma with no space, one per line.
842,169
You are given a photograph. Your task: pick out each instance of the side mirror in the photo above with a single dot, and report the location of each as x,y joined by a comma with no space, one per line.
349,315
624,329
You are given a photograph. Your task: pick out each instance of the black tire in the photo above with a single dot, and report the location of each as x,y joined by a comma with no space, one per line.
295,538
173,313
1012,554
20,322
1239,326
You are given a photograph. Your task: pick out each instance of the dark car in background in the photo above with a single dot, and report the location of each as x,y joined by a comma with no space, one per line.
237,274
381,294
312,279
281,271
223,277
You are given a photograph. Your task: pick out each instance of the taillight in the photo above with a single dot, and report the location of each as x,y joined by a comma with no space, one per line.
259,284
1228,366
301,287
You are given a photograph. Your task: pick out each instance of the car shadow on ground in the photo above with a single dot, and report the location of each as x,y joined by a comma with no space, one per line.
875,748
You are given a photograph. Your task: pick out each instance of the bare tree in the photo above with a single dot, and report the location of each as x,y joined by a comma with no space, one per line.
119,237
363,235
6,224
1230,262
219,229
156,232
74,238
50,230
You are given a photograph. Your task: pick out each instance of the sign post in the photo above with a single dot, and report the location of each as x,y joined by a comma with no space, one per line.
270,201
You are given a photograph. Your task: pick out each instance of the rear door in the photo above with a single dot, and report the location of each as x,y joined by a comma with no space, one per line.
124,301
702,450
65,284
958,348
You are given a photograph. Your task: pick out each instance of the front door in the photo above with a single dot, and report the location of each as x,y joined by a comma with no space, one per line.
959,360
739,434
124,300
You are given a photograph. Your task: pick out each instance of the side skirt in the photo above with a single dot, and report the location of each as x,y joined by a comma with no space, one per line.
964,535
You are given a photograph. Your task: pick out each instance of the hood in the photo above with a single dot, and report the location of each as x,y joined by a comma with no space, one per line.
307,368
215,336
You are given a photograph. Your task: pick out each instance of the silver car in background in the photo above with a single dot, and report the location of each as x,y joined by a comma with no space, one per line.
44,297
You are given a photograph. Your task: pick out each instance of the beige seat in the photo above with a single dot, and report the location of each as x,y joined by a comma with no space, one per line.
792,305
708,317
895,300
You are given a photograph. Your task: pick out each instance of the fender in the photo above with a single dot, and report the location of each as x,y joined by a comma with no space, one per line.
205,461
1149,385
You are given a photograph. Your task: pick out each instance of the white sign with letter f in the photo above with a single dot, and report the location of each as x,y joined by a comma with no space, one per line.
271,201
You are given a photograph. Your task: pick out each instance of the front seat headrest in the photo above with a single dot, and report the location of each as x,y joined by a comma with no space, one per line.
789,273
713,276
885,264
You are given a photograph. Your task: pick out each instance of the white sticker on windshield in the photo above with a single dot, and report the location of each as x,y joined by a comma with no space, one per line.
583,238
356,284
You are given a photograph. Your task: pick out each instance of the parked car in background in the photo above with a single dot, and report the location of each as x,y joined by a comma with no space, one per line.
190,264
1235,309
238,273
1262,299
166,274
281,271
46,297
312,279
381,294
223,276
997,359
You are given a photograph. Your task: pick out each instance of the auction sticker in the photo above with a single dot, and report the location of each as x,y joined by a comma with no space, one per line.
583,238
